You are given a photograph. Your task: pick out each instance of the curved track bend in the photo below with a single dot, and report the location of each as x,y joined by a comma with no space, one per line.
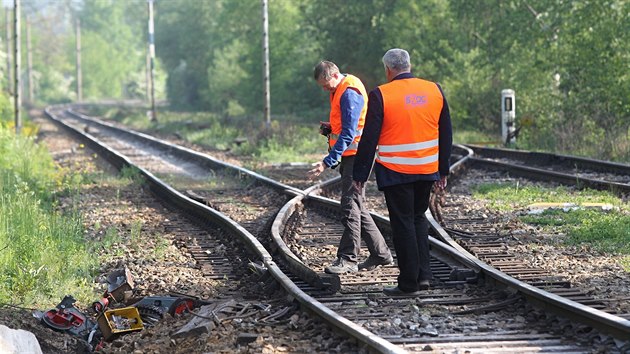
306,210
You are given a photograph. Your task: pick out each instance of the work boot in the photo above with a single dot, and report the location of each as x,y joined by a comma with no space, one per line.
396,291
341,266
372,263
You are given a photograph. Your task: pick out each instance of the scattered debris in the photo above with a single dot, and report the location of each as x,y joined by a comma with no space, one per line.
539,208
66,318
116,313
119,289
114,323
217,314
168,304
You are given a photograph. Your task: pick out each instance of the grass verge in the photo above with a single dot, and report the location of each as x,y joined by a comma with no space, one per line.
43,254
603,230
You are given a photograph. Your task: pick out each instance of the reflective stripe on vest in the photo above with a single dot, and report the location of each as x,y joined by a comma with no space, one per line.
409,140
353,147
349,81
408,147
409,160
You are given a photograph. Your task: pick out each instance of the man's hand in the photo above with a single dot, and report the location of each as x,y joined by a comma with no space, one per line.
324,128
442,182
358,186
319,168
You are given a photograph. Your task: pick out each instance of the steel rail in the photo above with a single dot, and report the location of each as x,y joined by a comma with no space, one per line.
204,212
549,158
537,173
605,322
189,154
614,325
311,195
546,175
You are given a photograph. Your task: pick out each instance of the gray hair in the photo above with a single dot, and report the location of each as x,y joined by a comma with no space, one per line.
397,60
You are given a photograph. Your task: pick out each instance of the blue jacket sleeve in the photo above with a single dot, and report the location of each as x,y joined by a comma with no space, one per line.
351,103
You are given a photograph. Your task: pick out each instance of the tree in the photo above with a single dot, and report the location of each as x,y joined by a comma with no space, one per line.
113,46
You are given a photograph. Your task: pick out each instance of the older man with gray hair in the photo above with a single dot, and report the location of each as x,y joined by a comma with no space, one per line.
408,130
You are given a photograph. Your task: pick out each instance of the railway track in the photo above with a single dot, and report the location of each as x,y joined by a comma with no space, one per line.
490,236
195,206
453,292
455,286
568,170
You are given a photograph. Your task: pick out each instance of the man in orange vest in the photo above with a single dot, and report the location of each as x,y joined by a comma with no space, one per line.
408,128
348,106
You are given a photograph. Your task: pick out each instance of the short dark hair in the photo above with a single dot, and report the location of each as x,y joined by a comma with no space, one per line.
325,70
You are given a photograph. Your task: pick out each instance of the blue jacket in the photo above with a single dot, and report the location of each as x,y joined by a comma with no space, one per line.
351,103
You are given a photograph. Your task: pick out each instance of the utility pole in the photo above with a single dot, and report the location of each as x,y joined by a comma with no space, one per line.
16,45
152,60
148,77
7,22
29,61
78,53
265,47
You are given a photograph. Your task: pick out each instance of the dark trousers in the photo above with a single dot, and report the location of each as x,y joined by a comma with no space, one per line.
356,220
406,204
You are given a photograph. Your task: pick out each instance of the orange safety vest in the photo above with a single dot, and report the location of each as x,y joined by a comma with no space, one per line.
335,113
409,141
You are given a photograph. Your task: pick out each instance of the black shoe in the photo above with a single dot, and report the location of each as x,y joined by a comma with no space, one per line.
341,266
395,291
424,285
372,263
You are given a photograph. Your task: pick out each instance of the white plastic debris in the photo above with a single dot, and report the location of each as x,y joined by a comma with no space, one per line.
18,341
539,208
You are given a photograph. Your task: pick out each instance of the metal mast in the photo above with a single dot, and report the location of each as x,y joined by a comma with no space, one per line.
152,60
29,61
16,59
7,22
265,47
78,54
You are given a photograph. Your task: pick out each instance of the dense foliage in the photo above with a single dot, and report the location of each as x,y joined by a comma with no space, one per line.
568,61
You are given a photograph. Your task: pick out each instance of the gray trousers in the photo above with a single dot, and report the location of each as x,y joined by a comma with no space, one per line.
356,220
